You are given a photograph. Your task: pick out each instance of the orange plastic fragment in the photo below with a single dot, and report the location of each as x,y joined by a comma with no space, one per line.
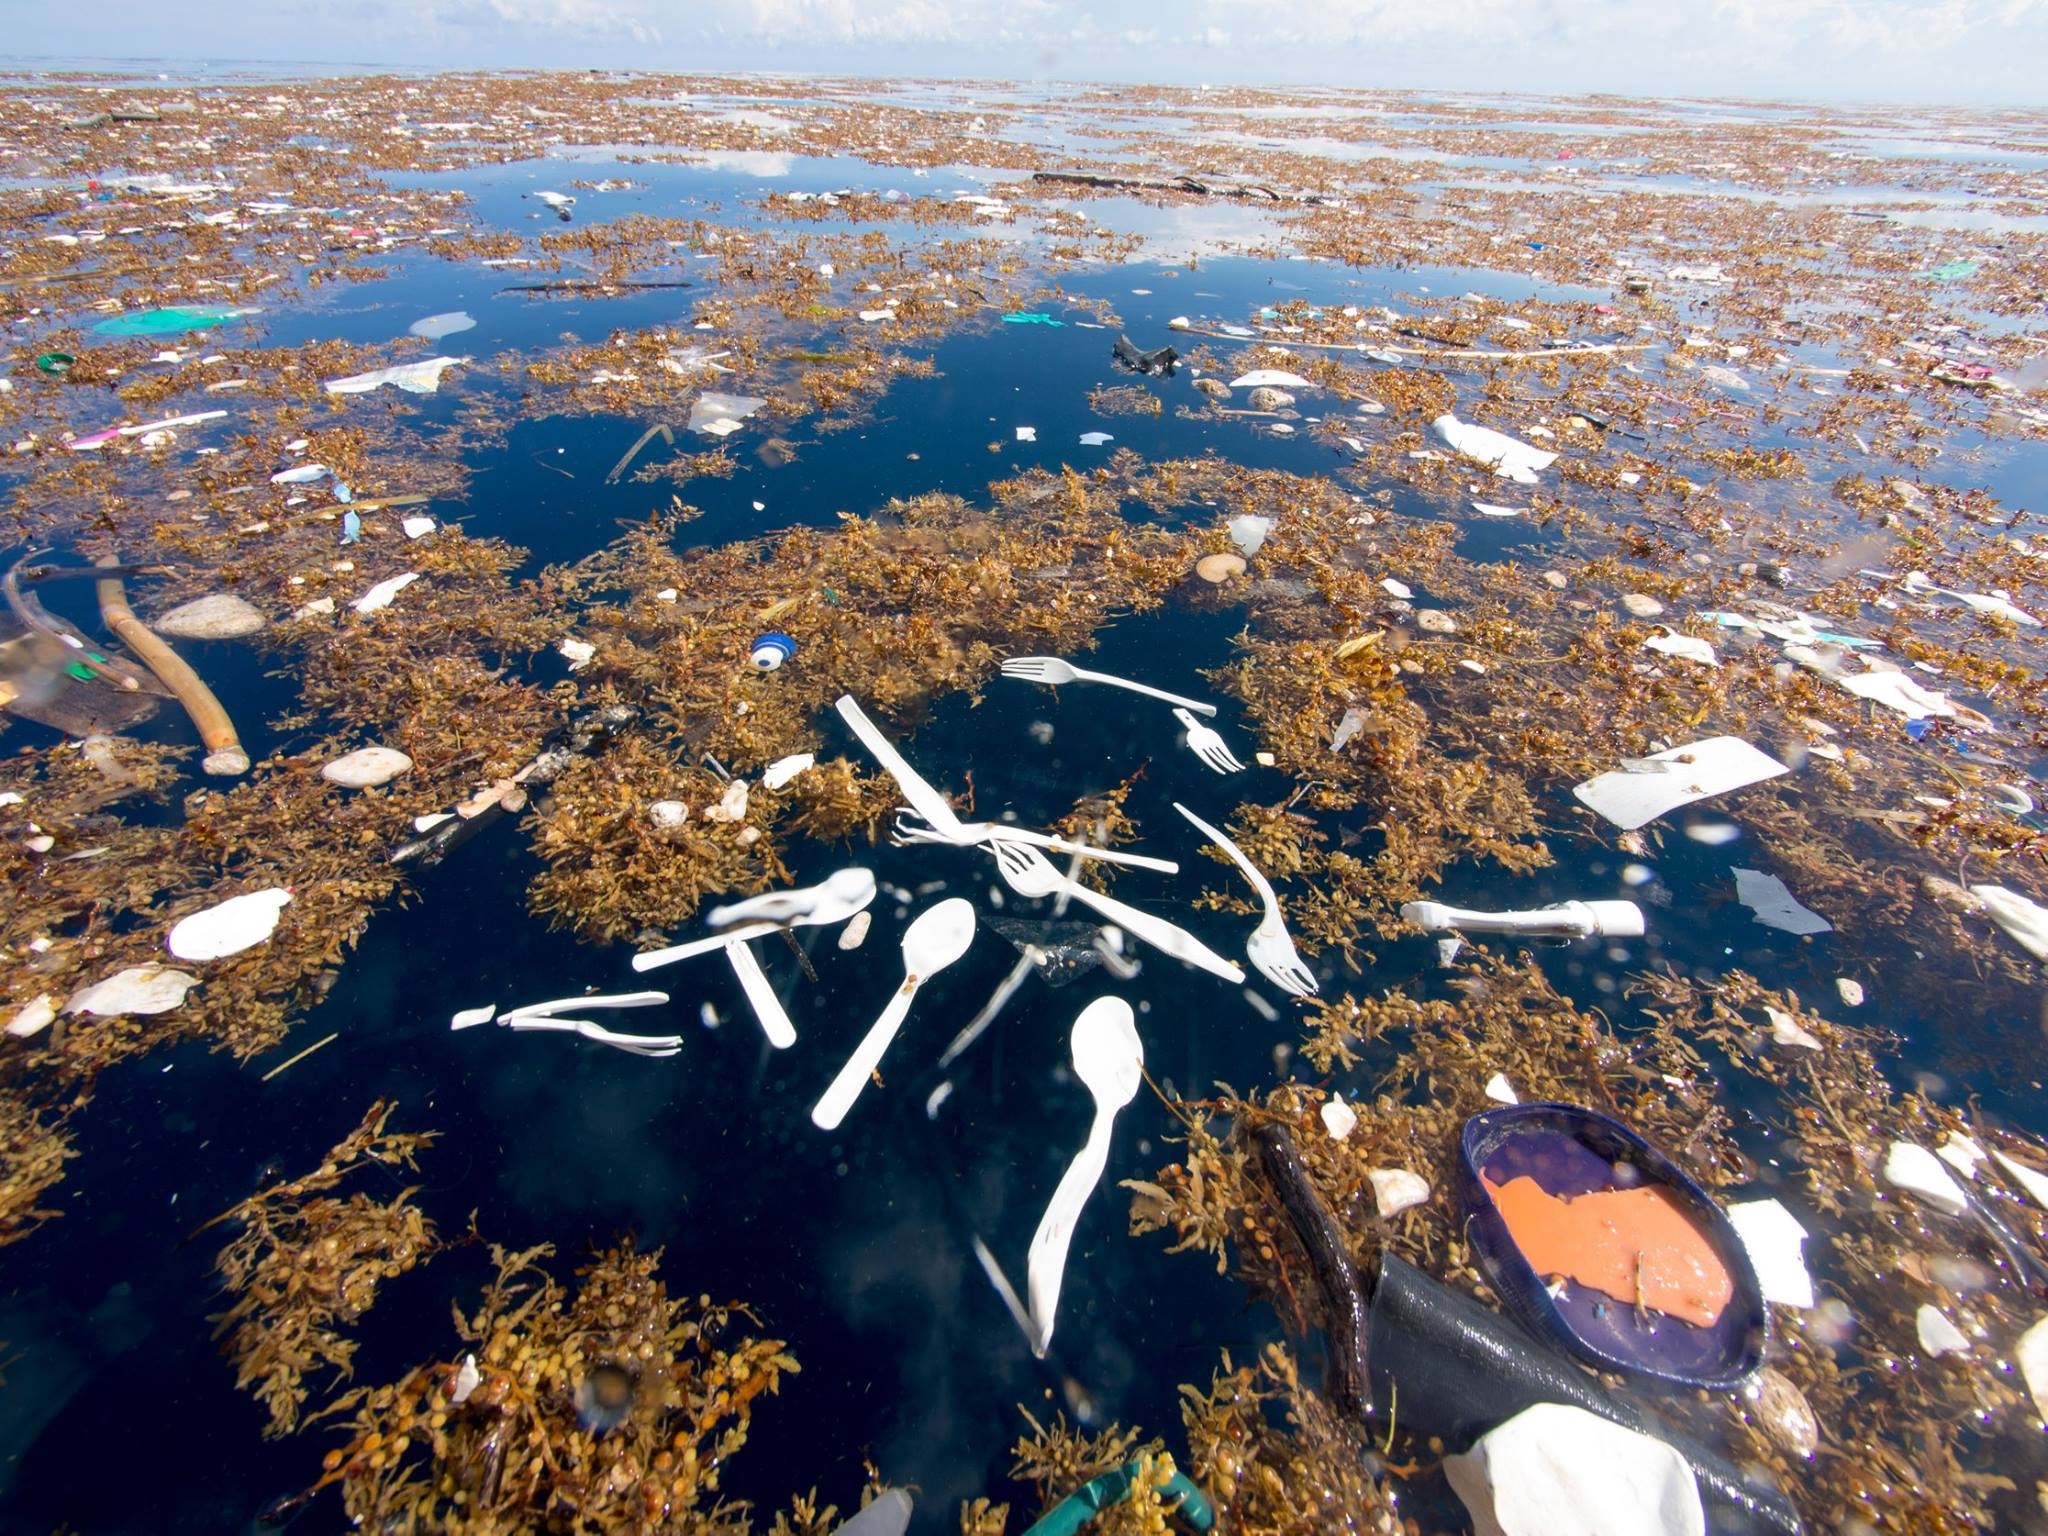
1636,1245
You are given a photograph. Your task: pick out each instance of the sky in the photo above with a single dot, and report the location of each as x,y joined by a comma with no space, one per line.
1934,51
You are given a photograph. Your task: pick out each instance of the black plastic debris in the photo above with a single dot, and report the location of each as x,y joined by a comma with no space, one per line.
1162,360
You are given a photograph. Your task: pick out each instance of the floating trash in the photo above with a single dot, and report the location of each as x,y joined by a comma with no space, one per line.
366,767
221,616
771,651
434,327
239,923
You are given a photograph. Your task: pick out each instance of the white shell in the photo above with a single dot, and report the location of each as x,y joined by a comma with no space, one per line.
366,767
138,989
783,769
239,923
1911,1167
1396,1189
1339,1118
1938,1336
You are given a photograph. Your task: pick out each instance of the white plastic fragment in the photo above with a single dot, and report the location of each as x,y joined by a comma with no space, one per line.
579,653
1394,1190
1771,1235
870,316
299,474
2032,1354
1961,1154
1270,378
2034,1182
1248,532
239,923
1502,454
2022,918
1027,434
220,616
1488,509
887,1515
1500,1090
138,989
1938,1336
422,378
783,769
1785,1030
381,594
1684,647
469,1018
1394,588
1912,1167
434,327
1557,1470
1774,904
32,1017
731,806
417,527
1096,439
1339,1118
1649,787
720,415
315,609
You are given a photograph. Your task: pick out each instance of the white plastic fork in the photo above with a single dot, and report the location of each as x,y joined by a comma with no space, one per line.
634,1045
1269,948
1029,873
1054,672
983,831
1208,744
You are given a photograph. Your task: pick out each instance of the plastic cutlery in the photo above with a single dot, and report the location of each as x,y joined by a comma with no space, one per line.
1029,873
924,800
982,831
1109,1059
760,995
831,901
602,1000
1054,672
936,937
1269,948
1208,744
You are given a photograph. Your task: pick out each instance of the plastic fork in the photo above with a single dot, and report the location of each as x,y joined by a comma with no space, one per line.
983,831
1269,948
1029,873
1208,745
1054,672
633,1045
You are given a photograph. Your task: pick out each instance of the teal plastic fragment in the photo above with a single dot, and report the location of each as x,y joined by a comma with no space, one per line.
1952,271
1030,317
1092,1498
165,322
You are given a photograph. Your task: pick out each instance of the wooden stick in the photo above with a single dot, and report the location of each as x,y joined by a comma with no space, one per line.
309,1050
224,754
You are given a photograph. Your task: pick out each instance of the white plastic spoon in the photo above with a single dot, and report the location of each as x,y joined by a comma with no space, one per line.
760,995
1109,1059
936,937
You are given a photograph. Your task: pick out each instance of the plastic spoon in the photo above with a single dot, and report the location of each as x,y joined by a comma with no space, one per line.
760,995
1109,1059
936,937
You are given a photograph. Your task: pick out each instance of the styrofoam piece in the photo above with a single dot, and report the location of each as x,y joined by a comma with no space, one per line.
2031,1180
138,989
2024,919
1270,378
1938,1336
1557,1470
33,1017
1653,786
1772,1236
1774,904
239,923
783,769
1909,1166
1500,1090
1396,1189
1502,454
1339,1118
1961,1154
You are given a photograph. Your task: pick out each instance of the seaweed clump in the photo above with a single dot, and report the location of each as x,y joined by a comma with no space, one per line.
306,1264
612,1408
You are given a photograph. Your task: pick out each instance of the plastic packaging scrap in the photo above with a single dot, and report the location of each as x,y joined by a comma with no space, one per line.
1109,1060
1072,1513
1772,1236
1685,647
720,415
434,327
1997,601
1882,682
2024,919
1161,360
239,923
1502,454
1646,788
1566,920
1555,1468
578,653
1248,532
380,595
416,527
1774,904
421,378
351,533
171,321
138,989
